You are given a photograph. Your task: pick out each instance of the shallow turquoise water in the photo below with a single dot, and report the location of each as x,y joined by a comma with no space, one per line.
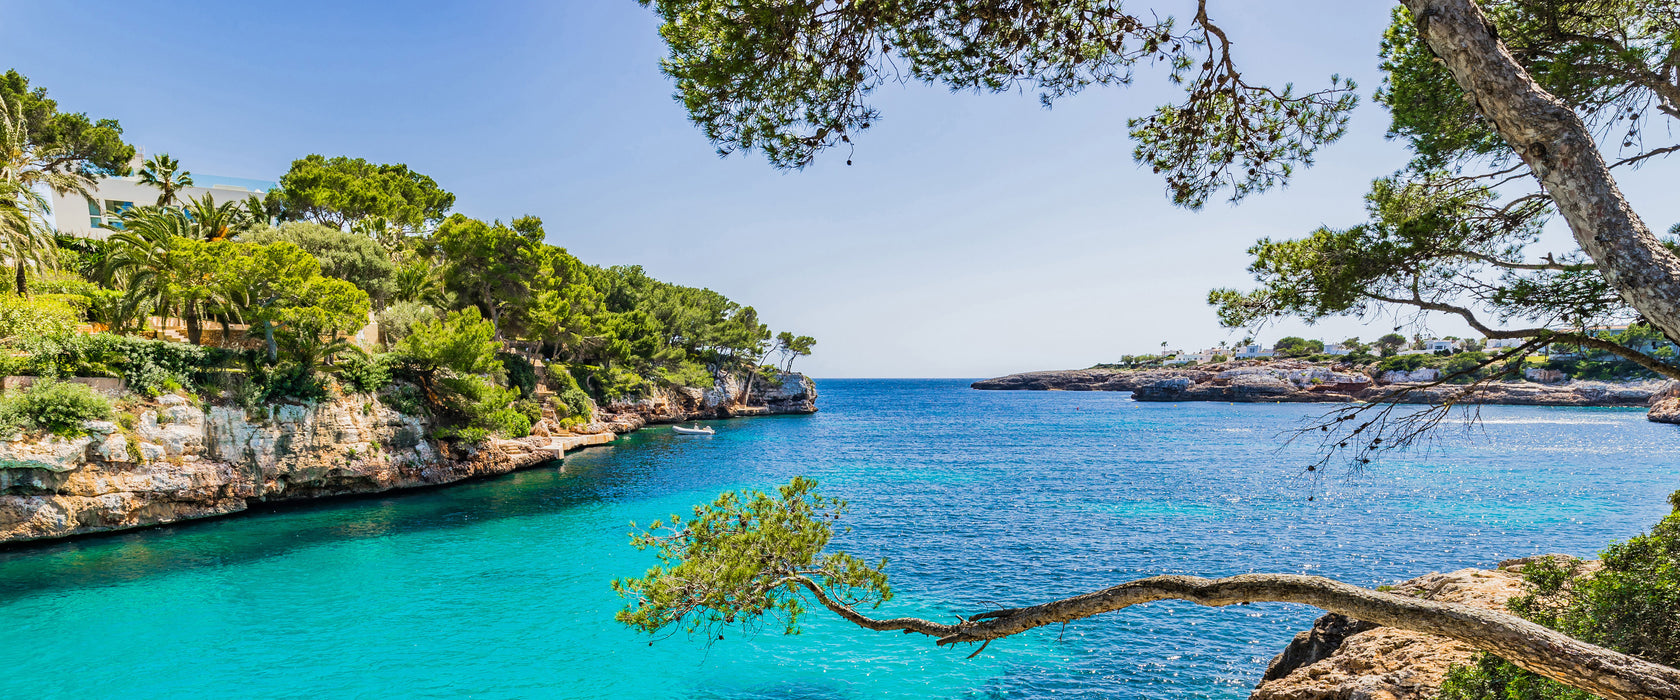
498,589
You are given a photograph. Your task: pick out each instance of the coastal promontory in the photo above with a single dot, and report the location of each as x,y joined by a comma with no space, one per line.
1304,381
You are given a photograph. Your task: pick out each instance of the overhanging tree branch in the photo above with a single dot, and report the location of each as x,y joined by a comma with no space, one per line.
1547,652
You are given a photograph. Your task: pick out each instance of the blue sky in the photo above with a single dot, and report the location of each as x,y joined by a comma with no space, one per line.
974,235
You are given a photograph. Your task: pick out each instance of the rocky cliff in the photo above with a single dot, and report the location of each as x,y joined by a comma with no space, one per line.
177,460
1342,659
1299,381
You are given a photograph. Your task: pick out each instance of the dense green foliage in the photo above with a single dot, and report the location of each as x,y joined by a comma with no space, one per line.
1454,231
743,558
1631,605
352,257
50,405
74,141
342,191
793,78
1292,346
282,288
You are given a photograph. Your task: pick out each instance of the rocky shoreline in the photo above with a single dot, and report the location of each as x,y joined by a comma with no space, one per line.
1341,658
184,461
1300,381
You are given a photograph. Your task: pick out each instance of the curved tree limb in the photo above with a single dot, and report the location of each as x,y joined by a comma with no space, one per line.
1553,140
1547,652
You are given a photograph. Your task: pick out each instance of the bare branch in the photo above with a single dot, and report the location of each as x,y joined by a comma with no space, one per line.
1544,651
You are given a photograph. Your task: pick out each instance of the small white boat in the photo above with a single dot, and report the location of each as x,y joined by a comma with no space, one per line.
696,430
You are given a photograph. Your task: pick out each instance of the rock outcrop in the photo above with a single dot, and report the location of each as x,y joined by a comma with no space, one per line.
1301,381
180,461
1343,659
772,395
1665,407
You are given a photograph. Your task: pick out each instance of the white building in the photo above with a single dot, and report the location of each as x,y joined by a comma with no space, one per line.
1432,346
1336,349
1502,343
1182,358
1249,352
97,215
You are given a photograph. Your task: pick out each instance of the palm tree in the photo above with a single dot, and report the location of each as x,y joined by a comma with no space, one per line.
418,280
216,222
26,234
259,212
165,173
143,253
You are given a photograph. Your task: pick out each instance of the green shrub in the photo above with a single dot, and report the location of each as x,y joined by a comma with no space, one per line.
530,409
521,374
150,367
405,399
1466,362
575,402
460,342
12,420
506,421
283,381
39,317
688,373
1492,678
1407,363
1631,605
398,320
364,374
610,383
487,405
58,407
462,433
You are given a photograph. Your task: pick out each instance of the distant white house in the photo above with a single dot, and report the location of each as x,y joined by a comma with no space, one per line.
1434,345
1336,349
1183,358
1502,343
1439,344
100,213
1249,352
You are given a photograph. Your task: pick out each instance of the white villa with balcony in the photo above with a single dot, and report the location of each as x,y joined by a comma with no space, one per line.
97,215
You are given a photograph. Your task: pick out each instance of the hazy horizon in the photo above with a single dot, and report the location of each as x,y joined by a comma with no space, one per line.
974,236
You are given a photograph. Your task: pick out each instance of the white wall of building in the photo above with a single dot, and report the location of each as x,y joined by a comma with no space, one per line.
96,216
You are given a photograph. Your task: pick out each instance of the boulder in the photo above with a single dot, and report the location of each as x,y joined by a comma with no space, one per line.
1341,658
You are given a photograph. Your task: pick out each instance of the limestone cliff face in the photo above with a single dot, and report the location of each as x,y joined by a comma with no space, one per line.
1340,658
180,461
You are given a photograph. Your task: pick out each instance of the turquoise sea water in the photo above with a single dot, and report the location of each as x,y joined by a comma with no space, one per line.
499,588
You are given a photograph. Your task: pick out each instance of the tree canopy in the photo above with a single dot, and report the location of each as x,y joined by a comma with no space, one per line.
341,191
792,79
65,142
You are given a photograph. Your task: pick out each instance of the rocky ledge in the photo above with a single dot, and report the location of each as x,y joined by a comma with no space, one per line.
180,461
1341,658
1300,381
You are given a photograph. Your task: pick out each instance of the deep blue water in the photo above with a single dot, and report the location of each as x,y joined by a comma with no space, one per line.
499,588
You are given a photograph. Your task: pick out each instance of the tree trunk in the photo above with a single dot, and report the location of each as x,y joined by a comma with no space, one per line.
22,279
1606,673
195,327
1556,144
